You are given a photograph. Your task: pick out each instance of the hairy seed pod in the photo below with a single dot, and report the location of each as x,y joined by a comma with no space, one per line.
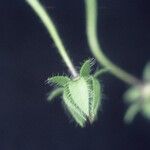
81,95
82,99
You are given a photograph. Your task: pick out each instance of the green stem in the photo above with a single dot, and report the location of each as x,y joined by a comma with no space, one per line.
100,72
48,23
91,29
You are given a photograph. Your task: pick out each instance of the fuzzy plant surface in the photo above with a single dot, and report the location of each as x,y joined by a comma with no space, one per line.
81,95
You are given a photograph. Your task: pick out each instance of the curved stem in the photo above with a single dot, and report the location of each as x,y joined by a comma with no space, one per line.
100,72
48,23
91,29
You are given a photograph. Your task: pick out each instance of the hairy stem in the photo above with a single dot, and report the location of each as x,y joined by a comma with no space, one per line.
91,29
48,23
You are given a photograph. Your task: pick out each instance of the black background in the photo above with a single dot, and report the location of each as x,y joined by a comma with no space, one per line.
28,57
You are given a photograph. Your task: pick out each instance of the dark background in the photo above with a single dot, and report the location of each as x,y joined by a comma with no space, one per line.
28,57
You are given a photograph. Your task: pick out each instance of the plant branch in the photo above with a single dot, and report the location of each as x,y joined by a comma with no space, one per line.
100,72
92,37
48,23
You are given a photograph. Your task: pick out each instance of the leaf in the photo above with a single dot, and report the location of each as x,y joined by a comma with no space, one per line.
146,72
58,80
55,93
132,94
131,112
86,67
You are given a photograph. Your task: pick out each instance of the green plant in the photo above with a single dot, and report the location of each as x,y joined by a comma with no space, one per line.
84,109
138,96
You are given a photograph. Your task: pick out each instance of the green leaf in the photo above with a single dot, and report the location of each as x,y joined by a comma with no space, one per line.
58,80
55,93
86,67
146,72
132,94
131,113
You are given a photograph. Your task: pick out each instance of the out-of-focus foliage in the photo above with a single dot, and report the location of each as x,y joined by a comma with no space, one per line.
138,98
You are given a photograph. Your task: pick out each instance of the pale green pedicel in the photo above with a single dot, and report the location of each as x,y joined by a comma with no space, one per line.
81,95
48,23
91,7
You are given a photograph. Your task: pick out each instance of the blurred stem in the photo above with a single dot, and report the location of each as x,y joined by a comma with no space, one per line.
100,72
91,29
48,23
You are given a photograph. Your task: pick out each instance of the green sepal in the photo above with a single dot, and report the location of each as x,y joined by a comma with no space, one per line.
97,95
132,95
58,80
131,113
78,91
146,72
74,110
146,110
86,67
55,93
